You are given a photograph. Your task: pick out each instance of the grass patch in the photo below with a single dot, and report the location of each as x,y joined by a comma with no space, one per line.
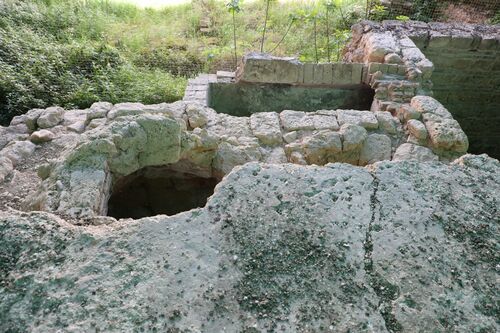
73,53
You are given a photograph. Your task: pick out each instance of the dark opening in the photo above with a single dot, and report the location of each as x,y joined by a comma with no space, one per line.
239,99
467,82
158,190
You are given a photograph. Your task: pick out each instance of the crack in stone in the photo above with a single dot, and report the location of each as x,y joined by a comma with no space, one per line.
385,291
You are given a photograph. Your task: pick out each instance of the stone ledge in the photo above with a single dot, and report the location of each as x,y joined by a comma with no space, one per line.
263,68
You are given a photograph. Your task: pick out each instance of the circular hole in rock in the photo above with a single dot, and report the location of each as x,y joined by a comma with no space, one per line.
158,190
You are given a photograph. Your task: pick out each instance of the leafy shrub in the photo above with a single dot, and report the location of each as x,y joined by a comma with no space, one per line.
174,60
47,57
424,10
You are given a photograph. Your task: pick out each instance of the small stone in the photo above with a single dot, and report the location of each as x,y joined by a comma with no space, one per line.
98,110
96,123
406,112
275,155
290,136
322,122
29,119
365,119
353,136
417,129
77,127
266,127
318,146
392,58
42,136
386,121
297,158
377,147
196,115
50,117
408,151
6,167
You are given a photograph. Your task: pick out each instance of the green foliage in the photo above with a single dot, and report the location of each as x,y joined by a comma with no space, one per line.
74,52
233,6
51,54
176,60
378,13
402,18
495,19
424,10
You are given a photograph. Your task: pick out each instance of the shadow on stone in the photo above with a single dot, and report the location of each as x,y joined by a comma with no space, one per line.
243,99
158,190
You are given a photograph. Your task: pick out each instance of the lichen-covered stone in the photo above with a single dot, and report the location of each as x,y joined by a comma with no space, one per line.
323,121
427,104
390,248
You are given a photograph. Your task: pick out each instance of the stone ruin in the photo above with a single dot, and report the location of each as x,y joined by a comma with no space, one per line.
340,197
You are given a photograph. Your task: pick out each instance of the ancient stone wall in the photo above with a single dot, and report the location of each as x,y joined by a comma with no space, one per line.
458,64
263,68
466,79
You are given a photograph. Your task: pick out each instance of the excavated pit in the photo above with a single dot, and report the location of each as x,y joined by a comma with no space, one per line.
243,99
467,82
158,190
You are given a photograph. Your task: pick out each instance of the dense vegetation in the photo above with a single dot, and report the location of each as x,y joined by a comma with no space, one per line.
72,53
75,52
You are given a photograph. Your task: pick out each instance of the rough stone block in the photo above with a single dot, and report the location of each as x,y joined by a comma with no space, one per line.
308,73
50,117
439,41
386,121
353,136
325,122
427,104
417,129
265,68
365,119
357,73
377,147
318,74
408,151
266,127
296,120
327,74
378,45
413,55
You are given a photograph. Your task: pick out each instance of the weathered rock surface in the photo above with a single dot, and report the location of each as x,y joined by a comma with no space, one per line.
388,248
408,151
41,136
50,117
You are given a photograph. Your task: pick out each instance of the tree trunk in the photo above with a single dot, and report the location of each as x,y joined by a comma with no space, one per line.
264,30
